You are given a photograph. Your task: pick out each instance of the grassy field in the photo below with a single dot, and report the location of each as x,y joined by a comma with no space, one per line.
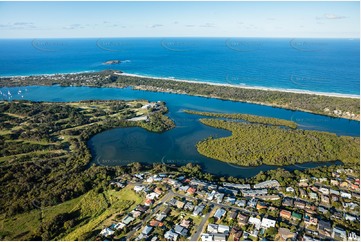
121,201
95,208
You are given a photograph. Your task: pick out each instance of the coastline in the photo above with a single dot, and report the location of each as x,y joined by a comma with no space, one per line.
261,88
298,91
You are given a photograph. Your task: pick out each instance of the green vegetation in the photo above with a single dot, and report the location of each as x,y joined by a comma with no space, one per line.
77,219
247,117
44,159
255,144
325,105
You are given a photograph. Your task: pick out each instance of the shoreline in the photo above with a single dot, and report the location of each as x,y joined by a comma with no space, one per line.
296,91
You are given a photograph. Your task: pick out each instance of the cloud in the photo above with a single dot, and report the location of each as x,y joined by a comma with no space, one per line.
207,25
18,25
155,26
74,26
333,16
330,16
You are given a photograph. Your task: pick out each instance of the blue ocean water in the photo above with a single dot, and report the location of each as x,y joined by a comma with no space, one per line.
321,65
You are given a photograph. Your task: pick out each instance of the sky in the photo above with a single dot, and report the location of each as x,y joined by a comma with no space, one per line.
179,19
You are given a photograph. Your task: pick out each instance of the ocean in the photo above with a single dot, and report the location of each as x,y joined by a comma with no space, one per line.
317,65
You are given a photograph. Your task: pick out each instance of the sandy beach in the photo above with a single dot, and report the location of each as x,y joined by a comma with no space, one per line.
249,87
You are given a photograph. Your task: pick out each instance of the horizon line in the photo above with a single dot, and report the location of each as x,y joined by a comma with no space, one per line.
159,37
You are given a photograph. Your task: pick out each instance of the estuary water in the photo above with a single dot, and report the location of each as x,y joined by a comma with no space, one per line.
121,146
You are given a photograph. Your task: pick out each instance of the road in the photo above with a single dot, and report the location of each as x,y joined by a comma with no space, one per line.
196,235
153,211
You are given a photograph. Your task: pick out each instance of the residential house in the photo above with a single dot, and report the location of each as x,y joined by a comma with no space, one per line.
242,219
313,196
296,216
138,188
171,235
107,232
233,214
324,190
299,204
334,192
237,235
303,193
189,206
181,230
223,229
255,221
231,200
219,197
334,198
185,223
345,195
267,184
135,213
220,237
160,217
148,202
241,203
212,228
219,213
206,237
350,217
287,202
339,233
325,199
309,220
252,203
290,189
179,204
344,184
303,183
147,230
337,215
198,210
314,189
191,191
152,195
127,219
261,205
211,195
158,190
237,186
268,223
334,183
268,197
119,226
285,234
324,228
355,187
322,209
184,188
253,193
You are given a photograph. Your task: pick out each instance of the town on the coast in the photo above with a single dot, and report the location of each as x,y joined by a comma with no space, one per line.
176,207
